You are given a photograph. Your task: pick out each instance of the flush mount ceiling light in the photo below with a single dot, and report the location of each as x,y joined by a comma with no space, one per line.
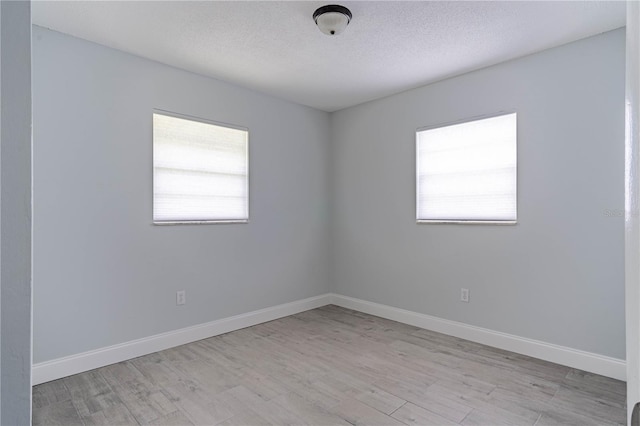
332,19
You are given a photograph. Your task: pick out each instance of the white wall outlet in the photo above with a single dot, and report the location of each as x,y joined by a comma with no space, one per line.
181,297
464,295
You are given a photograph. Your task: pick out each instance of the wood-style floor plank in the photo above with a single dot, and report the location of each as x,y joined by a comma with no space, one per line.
57,413
332,366
411,414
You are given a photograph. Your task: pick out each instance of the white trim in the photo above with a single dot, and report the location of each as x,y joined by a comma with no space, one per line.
466,222
632,201
62,367
50,370
587,361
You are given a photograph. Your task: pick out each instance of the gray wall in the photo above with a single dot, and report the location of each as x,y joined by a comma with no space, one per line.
632,210
556,276
332,202
103,274
15,213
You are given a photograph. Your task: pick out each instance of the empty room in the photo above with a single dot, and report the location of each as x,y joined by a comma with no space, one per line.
315,213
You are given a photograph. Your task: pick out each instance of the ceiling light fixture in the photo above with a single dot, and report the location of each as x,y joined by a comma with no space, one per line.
332,19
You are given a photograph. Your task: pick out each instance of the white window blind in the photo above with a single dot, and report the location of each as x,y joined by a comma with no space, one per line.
467,172
200,171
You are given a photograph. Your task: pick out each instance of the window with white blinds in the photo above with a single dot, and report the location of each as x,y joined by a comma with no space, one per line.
200,171
466,172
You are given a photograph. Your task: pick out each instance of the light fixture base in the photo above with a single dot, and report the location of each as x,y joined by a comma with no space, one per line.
332,19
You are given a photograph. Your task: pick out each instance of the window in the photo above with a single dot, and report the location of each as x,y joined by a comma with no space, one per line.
466,172
200,171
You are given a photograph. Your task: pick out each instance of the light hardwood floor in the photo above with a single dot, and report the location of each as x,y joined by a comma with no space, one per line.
332,366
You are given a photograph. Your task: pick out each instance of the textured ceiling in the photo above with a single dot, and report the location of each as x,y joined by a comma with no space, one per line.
274,46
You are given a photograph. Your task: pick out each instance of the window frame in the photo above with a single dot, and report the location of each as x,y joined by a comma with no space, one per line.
417,175
153,192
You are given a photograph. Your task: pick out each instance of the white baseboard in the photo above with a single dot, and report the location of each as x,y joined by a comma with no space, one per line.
62,367
587,361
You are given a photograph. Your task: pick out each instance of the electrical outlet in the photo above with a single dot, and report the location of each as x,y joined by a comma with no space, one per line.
181,297
464,295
